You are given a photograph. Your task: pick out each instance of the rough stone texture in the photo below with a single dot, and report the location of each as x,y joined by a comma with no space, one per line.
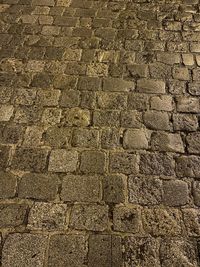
99,133
24,250
67,250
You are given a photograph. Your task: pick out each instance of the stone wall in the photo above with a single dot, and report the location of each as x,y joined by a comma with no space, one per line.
99,133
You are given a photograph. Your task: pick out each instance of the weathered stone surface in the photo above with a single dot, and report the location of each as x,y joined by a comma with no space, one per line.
161,103
178,251
162,222
127,219
157,120
191,105
81,188
191,221
156,164
105,249
142,251
62,160
135,139
30,159
12,215
24,250
123,163
87,138
47,216
115,84
163,141
144,191
92,162
8,183
151,86
185,122
110,138
38,186
175,193
113,189
131,119
188,166
77,117
196,193
58,137
193,141
67,250
89,217
110,118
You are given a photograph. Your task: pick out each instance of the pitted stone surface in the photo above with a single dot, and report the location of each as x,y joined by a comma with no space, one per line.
99,133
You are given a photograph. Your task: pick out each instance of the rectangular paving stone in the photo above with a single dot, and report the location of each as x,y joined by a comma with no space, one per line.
8,183
105,249
38,186
62,160
67,250
24,250
91,217
81,188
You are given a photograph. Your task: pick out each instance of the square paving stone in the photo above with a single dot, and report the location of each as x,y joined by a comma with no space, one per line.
24,250
67,251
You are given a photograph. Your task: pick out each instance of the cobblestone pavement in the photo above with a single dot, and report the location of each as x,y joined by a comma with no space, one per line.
99,133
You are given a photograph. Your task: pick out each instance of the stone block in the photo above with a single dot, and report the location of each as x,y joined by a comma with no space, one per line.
161,103
169,142
89,83
114,189
93,162
178,251
62,160
48,97
135,139
87,138
38,186
89,217
196,192
193,142
24,250
194,88
110,138
12,215
141,251
105,249
70,98
77,117
111,101
131,119
110,118
117,85
191,221
188,104
81,188
175,193
47,216
33,136
57,137
30,159
8,183
122,162
97,70
161,222
150,86
185,122
144,191
6,112
156,120
188,166
51,116
138,101
67,250
127,219
157,164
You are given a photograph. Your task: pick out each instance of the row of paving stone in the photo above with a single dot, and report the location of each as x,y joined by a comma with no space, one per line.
99,133
72,250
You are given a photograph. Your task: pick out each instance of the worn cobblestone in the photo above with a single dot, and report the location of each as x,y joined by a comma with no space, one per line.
99,133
